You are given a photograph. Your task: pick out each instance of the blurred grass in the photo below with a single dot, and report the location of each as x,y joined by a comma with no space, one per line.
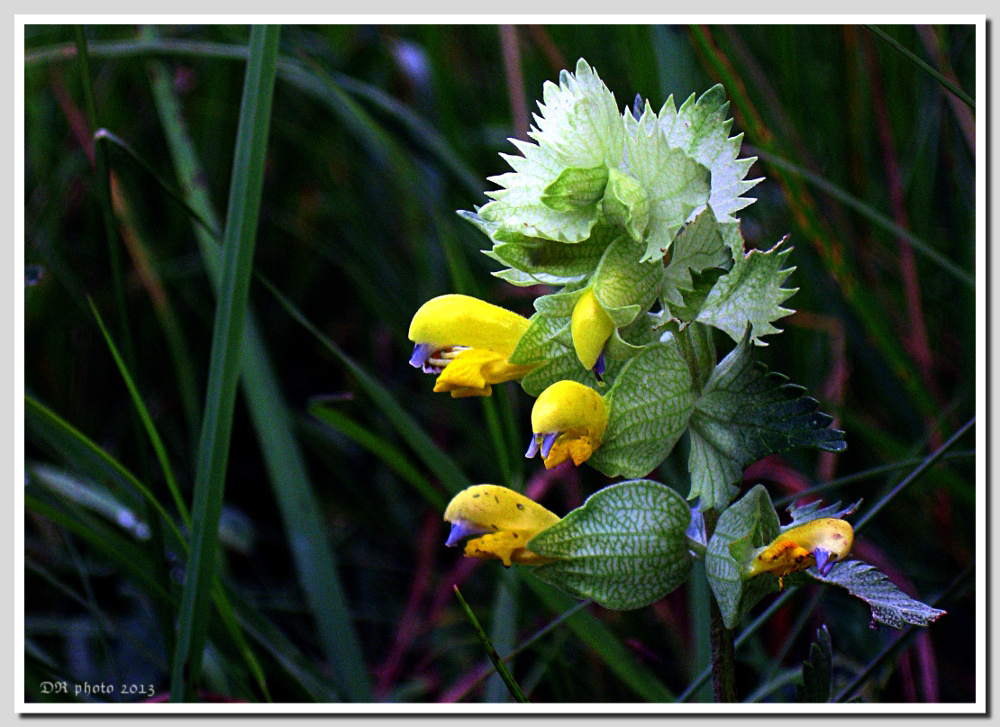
342,458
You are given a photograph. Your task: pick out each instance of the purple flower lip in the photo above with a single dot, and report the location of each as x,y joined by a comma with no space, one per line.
421,352
825,561
460,530
599,367
546,445
432,359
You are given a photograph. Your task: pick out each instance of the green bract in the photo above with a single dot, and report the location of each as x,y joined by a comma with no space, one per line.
625,547
745,413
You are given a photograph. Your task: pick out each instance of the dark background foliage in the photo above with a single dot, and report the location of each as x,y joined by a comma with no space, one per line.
378,134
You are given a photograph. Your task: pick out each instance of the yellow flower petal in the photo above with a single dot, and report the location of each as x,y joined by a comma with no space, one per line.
461,320
591,327
827,539
471,372
503,519
574,411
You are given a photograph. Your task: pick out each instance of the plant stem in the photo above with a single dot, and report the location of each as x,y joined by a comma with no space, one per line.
723,650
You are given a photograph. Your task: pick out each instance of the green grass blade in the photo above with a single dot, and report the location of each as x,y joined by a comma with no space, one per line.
213,451
382,449
147,422
329,89
491,652
868,474
605,644
103,188
926,464
76,447
925,67
314,560
443,466
870,213
103,135
119,550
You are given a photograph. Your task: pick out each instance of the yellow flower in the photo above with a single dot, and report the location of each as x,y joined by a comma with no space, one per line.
567,422
503,520
467,341
591,327
819,543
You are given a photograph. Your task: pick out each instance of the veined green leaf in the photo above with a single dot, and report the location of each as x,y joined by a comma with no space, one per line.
576,188
693,297
750,293
675,183
622,281
889,605
699,246
565,367
626,204
580,120
700,128
546,337
625,547
553,258
749,523
518,208
745,413
648,410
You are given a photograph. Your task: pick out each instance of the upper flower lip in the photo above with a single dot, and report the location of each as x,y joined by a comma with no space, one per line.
467,341
568,421
821,543
590,327
497,522
461,320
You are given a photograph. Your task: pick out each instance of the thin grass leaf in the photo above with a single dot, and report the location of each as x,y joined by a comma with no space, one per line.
605,644
503,627
213,451
118,549
548,628
103,185
867,474
382,449
910,478
306,79
436,460
300,511
866,210
77,448
147,421
498,664
922,65
167,188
